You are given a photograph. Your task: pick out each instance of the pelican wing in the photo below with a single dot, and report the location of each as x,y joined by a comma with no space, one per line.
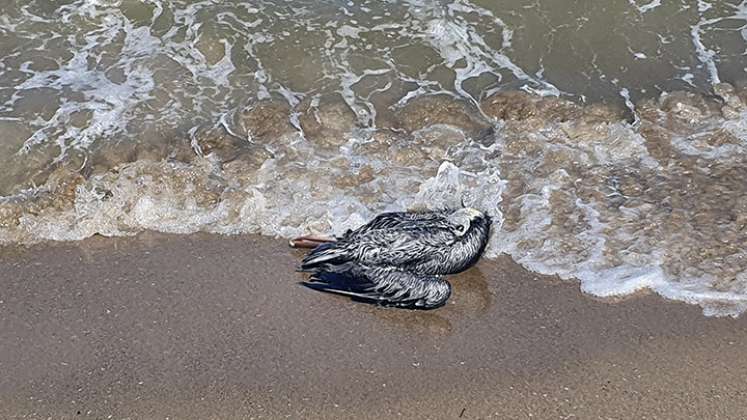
402,246
385,285
396,220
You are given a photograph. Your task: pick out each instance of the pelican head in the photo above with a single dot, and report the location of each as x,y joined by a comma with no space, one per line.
468,219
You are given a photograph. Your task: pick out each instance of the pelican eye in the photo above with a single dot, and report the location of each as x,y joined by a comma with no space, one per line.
461,229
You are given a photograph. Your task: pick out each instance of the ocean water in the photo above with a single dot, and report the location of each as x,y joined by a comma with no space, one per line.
608,140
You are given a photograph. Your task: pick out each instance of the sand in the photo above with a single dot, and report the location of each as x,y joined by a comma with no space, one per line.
214,327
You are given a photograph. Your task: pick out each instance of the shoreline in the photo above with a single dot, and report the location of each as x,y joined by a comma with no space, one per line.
207,326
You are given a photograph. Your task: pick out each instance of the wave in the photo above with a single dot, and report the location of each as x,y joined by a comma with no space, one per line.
622,203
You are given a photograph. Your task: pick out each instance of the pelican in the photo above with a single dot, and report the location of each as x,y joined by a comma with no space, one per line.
398,259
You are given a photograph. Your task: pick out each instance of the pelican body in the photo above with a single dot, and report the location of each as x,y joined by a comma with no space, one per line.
400,259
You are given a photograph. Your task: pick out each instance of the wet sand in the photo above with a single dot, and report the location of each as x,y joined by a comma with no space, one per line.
203,327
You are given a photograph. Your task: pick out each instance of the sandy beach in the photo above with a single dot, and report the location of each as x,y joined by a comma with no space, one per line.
215,327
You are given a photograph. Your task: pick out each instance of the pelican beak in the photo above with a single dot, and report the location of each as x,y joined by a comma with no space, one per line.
473,213
309,241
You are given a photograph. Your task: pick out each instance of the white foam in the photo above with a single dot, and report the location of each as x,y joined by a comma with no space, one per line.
629,103
706,55
699,145
459,42
107,101
646,7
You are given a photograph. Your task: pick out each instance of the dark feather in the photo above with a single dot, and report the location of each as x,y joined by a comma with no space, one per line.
324,254
386,286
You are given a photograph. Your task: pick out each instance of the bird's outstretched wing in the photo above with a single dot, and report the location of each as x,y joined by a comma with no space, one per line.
384,285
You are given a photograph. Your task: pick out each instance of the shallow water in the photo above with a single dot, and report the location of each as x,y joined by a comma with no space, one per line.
607,139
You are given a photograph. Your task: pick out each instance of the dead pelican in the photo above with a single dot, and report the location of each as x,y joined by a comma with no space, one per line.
398,259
